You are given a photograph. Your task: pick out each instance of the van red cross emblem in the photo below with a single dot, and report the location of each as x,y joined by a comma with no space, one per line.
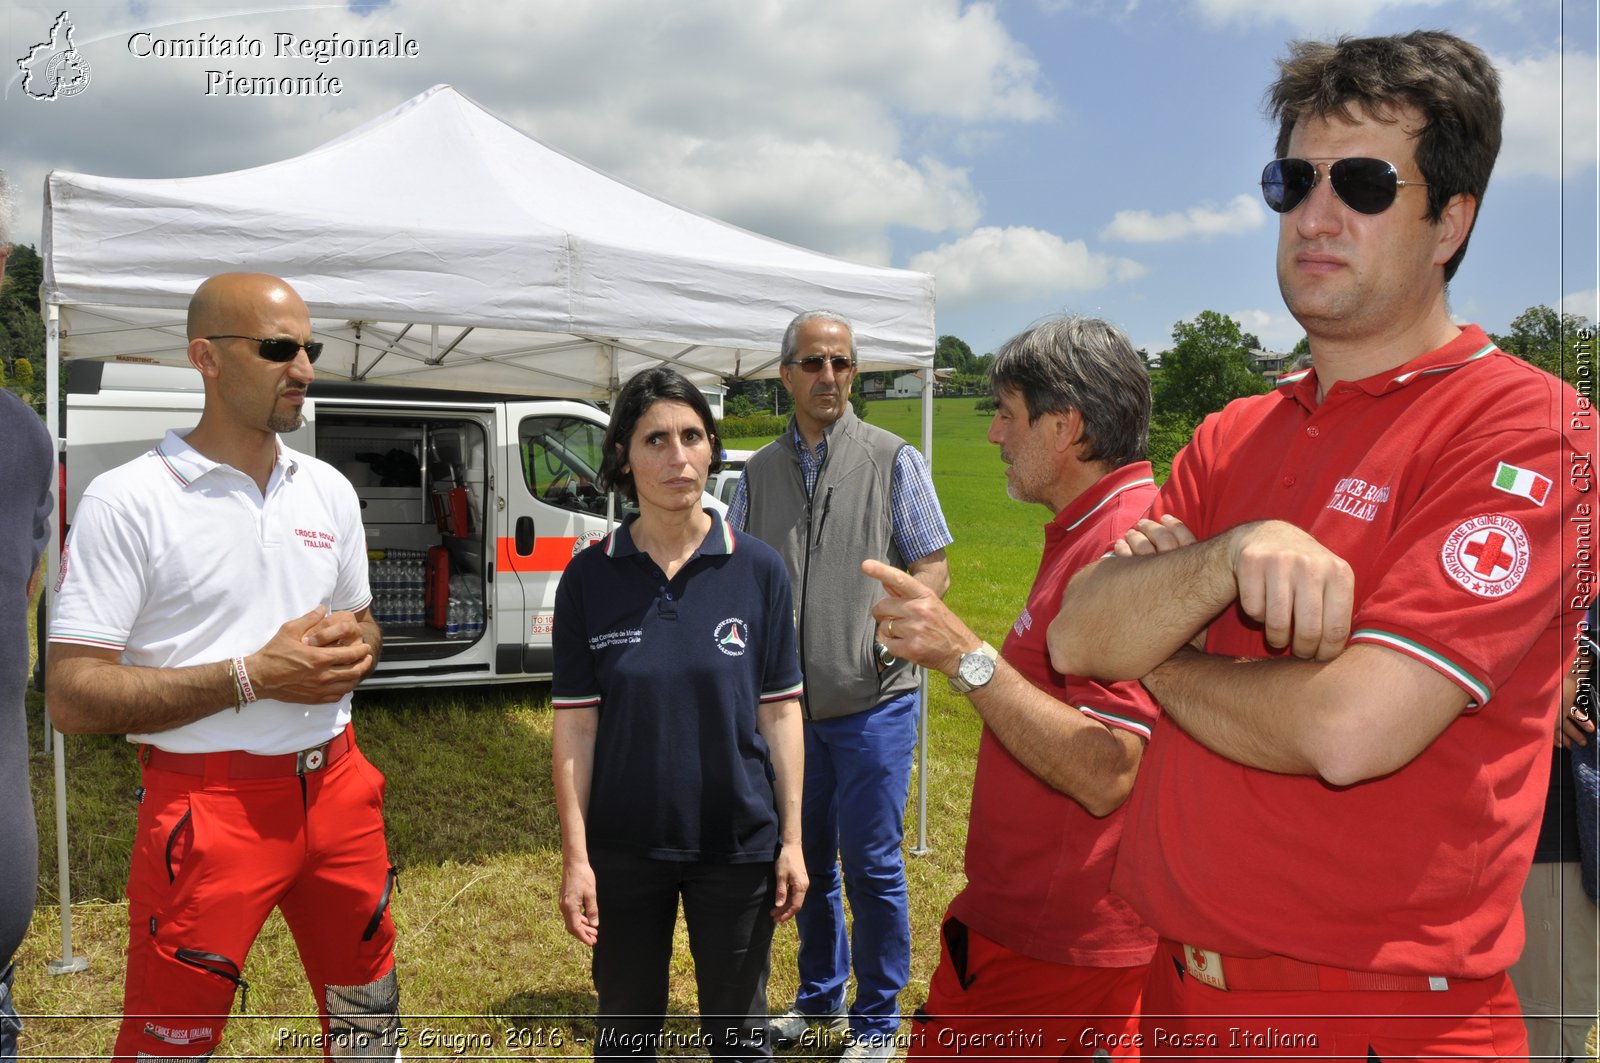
1487,555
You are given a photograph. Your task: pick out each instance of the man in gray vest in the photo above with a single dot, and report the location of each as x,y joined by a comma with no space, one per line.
829,493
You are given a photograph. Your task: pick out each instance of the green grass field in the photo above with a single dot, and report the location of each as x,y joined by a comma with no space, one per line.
486,967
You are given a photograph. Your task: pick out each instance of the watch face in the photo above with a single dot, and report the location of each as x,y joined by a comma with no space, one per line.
976,668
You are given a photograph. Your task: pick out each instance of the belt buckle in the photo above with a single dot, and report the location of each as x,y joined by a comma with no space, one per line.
1206,966
310,760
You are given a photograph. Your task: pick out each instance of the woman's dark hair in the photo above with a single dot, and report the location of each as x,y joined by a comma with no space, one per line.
638,395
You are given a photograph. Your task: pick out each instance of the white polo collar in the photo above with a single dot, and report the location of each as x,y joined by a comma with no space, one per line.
187,464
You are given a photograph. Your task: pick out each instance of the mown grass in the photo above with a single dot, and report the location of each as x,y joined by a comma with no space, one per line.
487,970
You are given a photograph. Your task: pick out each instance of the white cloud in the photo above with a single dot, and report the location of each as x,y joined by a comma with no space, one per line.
792,119
828,196
1240,214
1551,115
1312,17
1276,329
1585,304
1018,263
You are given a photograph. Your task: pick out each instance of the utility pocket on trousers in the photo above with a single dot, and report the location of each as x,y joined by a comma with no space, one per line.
222,967
955,943
178,843
391,882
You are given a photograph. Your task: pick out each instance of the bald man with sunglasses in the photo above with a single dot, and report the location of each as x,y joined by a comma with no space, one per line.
213,607
1365,607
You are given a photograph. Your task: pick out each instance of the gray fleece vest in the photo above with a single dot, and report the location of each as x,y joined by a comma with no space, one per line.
823,540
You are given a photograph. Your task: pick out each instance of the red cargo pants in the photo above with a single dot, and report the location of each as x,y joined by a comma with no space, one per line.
216,851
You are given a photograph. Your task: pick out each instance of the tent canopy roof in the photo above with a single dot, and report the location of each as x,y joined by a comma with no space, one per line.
436,245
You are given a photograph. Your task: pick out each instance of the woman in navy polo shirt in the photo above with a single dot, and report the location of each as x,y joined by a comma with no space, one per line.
677,744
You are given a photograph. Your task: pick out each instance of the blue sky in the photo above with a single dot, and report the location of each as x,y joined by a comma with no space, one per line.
1036,156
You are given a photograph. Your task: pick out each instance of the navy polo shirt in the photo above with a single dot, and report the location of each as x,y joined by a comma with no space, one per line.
677,669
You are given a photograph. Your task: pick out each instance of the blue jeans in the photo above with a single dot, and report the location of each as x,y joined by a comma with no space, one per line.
10,1024
858,775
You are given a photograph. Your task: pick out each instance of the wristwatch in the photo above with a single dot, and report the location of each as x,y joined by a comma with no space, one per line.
976,669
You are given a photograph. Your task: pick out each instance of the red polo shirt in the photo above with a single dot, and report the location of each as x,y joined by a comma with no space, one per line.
1448,486
1038,865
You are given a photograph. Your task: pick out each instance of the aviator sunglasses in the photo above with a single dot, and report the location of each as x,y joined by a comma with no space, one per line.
814,364
279,350
1367,186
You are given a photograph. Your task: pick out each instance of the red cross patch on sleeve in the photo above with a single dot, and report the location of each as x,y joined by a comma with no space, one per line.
1487,555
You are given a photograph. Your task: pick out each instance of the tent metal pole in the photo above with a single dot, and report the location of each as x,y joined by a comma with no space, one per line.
921,848
68,963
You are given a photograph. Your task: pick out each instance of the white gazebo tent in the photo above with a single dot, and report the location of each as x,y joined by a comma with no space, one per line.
438,246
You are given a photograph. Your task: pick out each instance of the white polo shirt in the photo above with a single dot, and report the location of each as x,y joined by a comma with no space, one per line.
174,560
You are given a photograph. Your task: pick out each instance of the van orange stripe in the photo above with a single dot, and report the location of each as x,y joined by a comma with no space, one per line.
551,553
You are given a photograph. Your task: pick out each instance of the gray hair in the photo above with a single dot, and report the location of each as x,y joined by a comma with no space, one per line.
787,354
1084,364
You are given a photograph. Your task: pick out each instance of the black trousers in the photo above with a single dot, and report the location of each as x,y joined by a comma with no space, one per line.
730,937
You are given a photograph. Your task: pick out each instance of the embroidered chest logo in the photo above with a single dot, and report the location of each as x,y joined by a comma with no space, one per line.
620,637
732,636
1359,499
1487,555
316,540
1024,622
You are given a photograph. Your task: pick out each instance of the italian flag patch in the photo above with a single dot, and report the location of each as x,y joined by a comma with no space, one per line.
1524,483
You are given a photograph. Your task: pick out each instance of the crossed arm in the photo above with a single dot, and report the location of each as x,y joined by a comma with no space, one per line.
1343,714
315,659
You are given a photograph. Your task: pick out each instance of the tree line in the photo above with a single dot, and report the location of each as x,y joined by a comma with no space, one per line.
22,327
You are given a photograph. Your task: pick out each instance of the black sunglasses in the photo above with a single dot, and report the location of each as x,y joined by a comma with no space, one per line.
814,364
279,350
1367,186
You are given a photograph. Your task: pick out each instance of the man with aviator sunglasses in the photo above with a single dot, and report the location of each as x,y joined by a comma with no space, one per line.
213,607
1364,611
829,493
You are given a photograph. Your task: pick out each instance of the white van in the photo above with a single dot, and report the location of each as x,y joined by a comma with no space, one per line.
726,479
473,504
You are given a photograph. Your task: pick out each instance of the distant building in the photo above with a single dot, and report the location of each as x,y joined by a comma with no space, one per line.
715,394
906,386
909,385
1270,364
